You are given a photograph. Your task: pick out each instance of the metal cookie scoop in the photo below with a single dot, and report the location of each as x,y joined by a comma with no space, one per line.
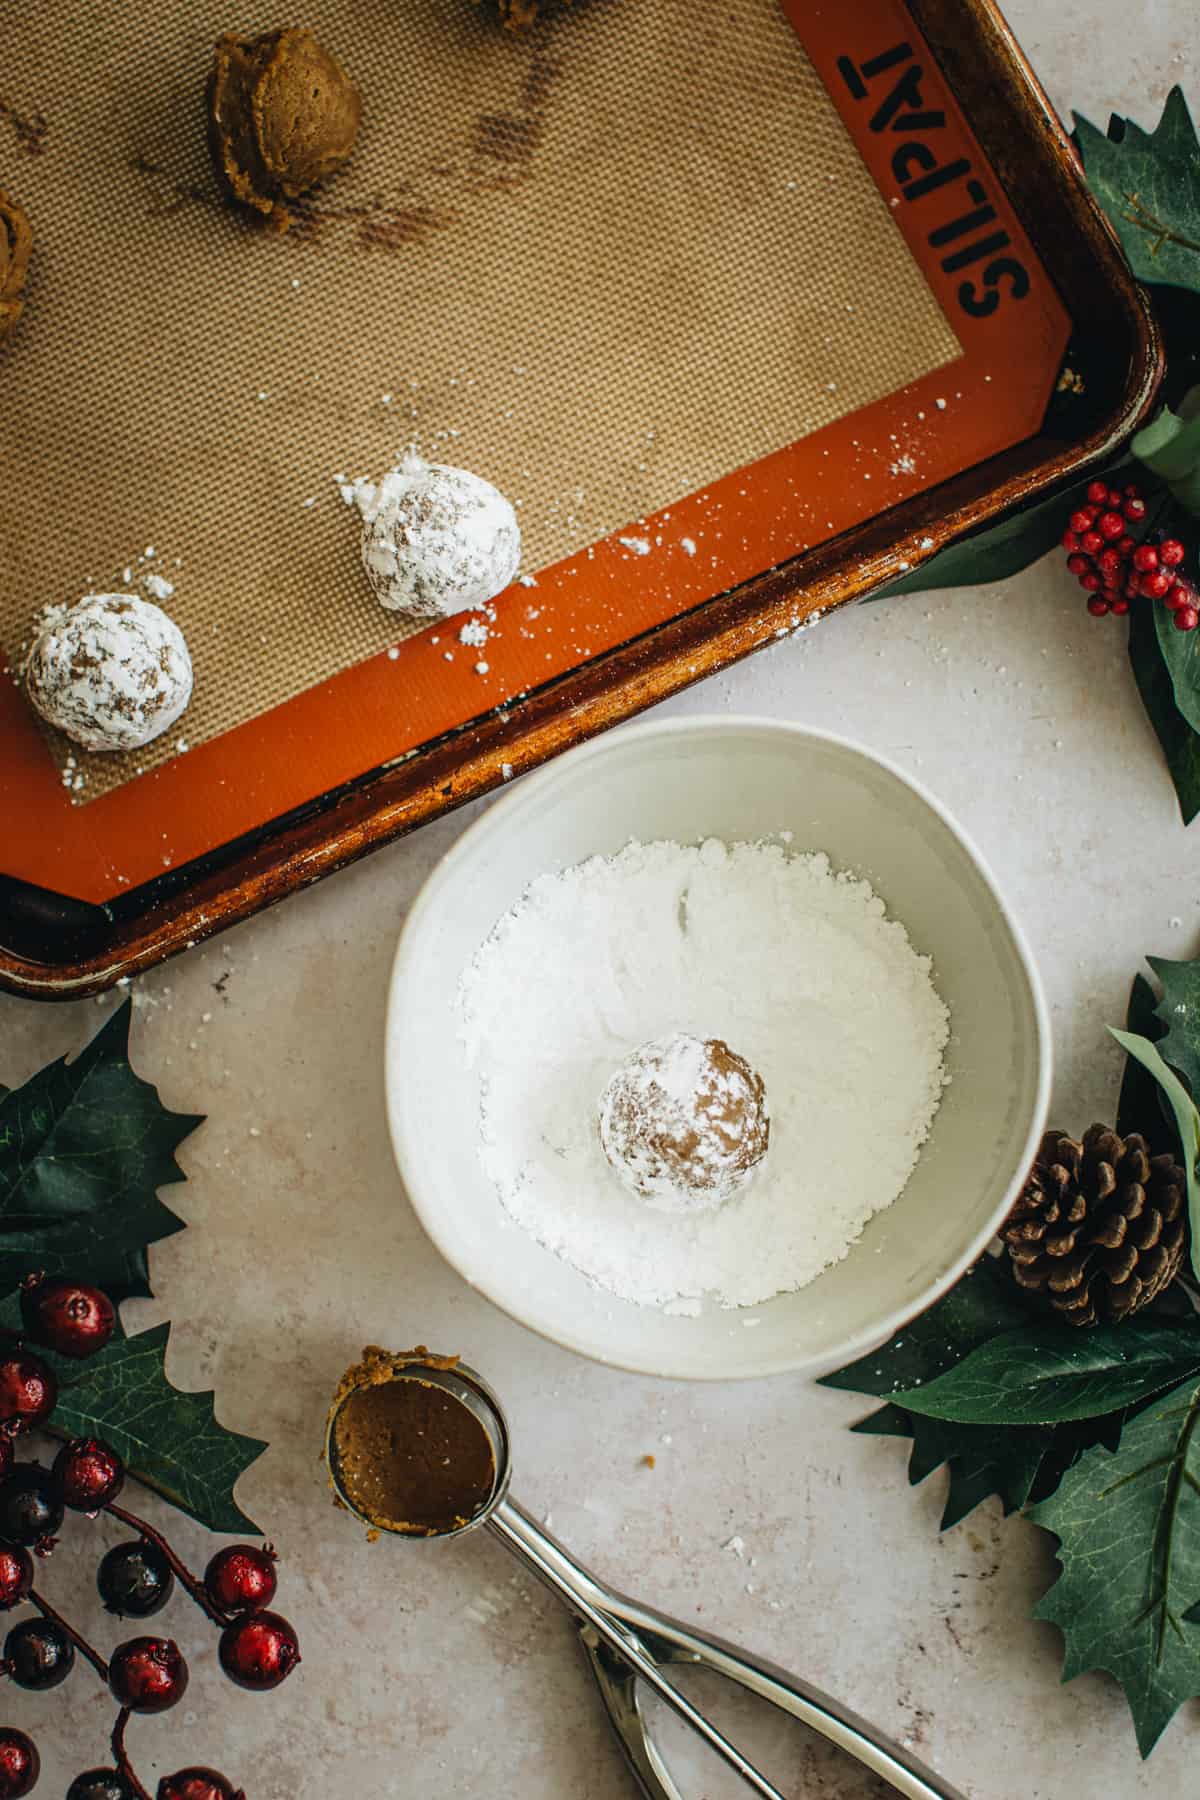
627,1642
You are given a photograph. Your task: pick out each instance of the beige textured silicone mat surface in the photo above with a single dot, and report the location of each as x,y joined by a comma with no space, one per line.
602,264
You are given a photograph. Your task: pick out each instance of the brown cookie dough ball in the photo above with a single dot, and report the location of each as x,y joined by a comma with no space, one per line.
283,116
16,242
518,15
684,1122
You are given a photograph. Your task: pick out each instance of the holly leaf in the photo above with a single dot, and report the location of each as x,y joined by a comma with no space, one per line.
1043,1374
980,1462
1178,1014
1128,1525
1180,744
982,1304
1187,1124
1148,184
169,1439
84,1146
1181,658
1139,1106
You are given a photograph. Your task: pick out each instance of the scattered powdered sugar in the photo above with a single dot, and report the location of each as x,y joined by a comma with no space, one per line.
792,964
639,545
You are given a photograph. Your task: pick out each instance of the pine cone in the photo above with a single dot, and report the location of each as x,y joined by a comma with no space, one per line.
1100,1227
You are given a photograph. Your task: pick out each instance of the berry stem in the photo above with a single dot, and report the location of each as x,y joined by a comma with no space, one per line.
121,1755
81,1644
192,1584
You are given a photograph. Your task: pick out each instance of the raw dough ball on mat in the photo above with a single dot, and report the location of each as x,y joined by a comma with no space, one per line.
112,672
16,242
283,115
436,540
684,1122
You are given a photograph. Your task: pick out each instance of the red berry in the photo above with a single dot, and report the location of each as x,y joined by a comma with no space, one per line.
1084,519
1092,542
1132,489
1110,525
1178,596
28,1389
20,1764
1126,546
259,1651
1097,607
1155,586
16,1576
1070,540
198,1784
1186,618
1145,558
1097,492
1120,606
241,1578
1079,565
1108,561
1092,583
1113,497
68,1316
1134,509
1171,552
89,1474
147,1674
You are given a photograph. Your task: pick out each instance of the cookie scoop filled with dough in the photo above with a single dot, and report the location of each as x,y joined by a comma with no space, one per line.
112,672
283,115
435,540
684,1122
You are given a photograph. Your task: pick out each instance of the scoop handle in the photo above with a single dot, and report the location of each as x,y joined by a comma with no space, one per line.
627,1641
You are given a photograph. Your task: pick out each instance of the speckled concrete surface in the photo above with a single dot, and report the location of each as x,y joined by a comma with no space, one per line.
443,1670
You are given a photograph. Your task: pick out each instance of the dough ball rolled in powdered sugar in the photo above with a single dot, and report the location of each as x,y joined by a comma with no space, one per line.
684,1122
436,540
112,672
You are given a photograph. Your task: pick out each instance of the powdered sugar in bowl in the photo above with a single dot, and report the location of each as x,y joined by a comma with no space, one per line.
822,837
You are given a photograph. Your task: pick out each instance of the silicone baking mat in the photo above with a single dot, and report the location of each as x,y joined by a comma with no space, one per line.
632,266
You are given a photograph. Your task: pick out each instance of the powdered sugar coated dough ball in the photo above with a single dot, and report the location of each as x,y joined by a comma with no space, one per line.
112,672
685,1123
436,540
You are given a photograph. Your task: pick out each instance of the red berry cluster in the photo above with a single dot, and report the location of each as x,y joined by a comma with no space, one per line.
258,1649
1114,567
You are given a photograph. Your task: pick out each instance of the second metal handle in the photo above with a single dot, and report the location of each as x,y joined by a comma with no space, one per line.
643,1639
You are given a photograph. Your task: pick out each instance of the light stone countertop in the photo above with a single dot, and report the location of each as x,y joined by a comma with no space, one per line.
444,1670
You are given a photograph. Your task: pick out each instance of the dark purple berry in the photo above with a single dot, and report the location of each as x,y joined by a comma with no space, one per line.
100,1784
20,1764
135,1580
147,1674
16,1576
197,1784
38,1654
259,1651
89,1474
30,1505
28,1390
71,1317
241,1578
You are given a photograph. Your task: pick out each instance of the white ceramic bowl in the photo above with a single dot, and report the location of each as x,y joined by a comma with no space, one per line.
733,779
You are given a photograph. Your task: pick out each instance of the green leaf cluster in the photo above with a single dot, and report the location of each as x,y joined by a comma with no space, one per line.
1093,1433
84,1148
